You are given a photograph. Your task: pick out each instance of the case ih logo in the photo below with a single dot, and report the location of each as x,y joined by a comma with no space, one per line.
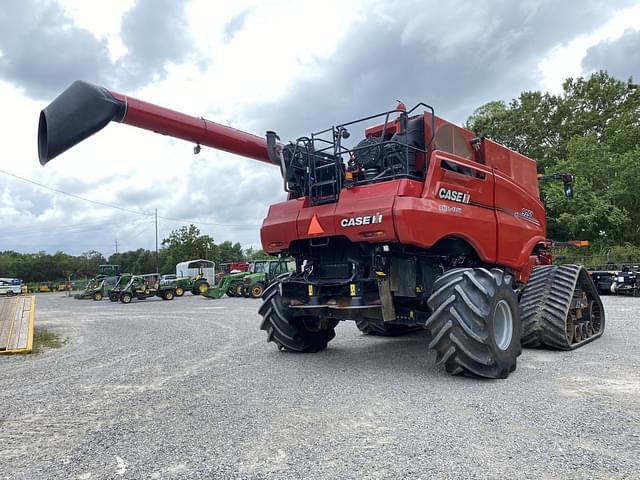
366,220
454,195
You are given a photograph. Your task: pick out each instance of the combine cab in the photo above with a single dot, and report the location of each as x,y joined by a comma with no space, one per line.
415,224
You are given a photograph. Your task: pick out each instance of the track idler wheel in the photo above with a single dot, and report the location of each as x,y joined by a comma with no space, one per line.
561,308
304,334
475,324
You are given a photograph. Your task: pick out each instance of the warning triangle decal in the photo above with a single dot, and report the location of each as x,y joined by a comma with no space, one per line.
314,226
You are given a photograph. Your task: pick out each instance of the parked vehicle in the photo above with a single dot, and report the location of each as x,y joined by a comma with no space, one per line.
414,221
10,286
142,287
193,276
262,273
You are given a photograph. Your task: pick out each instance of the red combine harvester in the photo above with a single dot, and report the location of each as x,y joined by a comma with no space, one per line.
417,225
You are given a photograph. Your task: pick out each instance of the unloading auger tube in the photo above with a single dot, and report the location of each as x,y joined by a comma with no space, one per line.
84,109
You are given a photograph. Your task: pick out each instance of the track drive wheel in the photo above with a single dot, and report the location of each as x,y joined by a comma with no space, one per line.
257,290
298,334
179,291
126,298
475,324
383,329
97,296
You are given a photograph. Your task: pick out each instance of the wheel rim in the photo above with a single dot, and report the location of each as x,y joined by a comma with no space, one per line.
202,289
256,291
179,291
503,325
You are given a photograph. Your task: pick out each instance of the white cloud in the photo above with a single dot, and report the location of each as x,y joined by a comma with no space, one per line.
287,65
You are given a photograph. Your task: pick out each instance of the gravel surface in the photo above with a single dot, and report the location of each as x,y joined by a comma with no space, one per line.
190,389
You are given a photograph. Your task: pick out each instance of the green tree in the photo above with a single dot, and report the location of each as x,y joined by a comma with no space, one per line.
187,243
591,130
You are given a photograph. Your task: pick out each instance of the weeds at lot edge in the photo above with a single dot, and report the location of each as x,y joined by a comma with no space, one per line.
44,339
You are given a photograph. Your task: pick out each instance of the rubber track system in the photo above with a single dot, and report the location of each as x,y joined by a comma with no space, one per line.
467,333
561,308
289,332
384,329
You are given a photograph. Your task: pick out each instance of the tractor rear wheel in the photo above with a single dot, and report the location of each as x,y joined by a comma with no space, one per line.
167,295
200,288
475,324
179,291
257,290
383,329
298,334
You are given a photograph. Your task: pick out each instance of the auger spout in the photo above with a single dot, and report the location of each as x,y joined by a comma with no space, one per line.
84,109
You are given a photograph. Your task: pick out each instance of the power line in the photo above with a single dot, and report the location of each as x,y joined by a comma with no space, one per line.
95,202
117,207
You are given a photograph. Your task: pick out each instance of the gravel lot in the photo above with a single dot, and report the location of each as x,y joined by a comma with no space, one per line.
191,389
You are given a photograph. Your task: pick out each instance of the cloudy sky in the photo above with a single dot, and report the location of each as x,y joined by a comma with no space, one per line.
290,66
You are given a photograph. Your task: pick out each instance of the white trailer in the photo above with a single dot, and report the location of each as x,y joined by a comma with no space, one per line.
192,268
10,286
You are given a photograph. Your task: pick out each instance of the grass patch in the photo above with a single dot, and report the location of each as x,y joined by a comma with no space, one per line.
43,339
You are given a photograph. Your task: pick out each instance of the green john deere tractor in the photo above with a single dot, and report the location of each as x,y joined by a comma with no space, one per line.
262,273
230,284
99,286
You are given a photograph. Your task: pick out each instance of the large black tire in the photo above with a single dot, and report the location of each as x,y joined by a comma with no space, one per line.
383,329
297,334
475,324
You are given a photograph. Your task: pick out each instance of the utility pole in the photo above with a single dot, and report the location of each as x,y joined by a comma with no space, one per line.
116,245
157,266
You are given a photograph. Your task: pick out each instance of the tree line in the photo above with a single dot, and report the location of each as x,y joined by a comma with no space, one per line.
185,243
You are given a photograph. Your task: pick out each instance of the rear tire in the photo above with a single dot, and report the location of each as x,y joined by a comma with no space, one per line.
297,334
256,290
167,295
383,329
200,288
475,324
